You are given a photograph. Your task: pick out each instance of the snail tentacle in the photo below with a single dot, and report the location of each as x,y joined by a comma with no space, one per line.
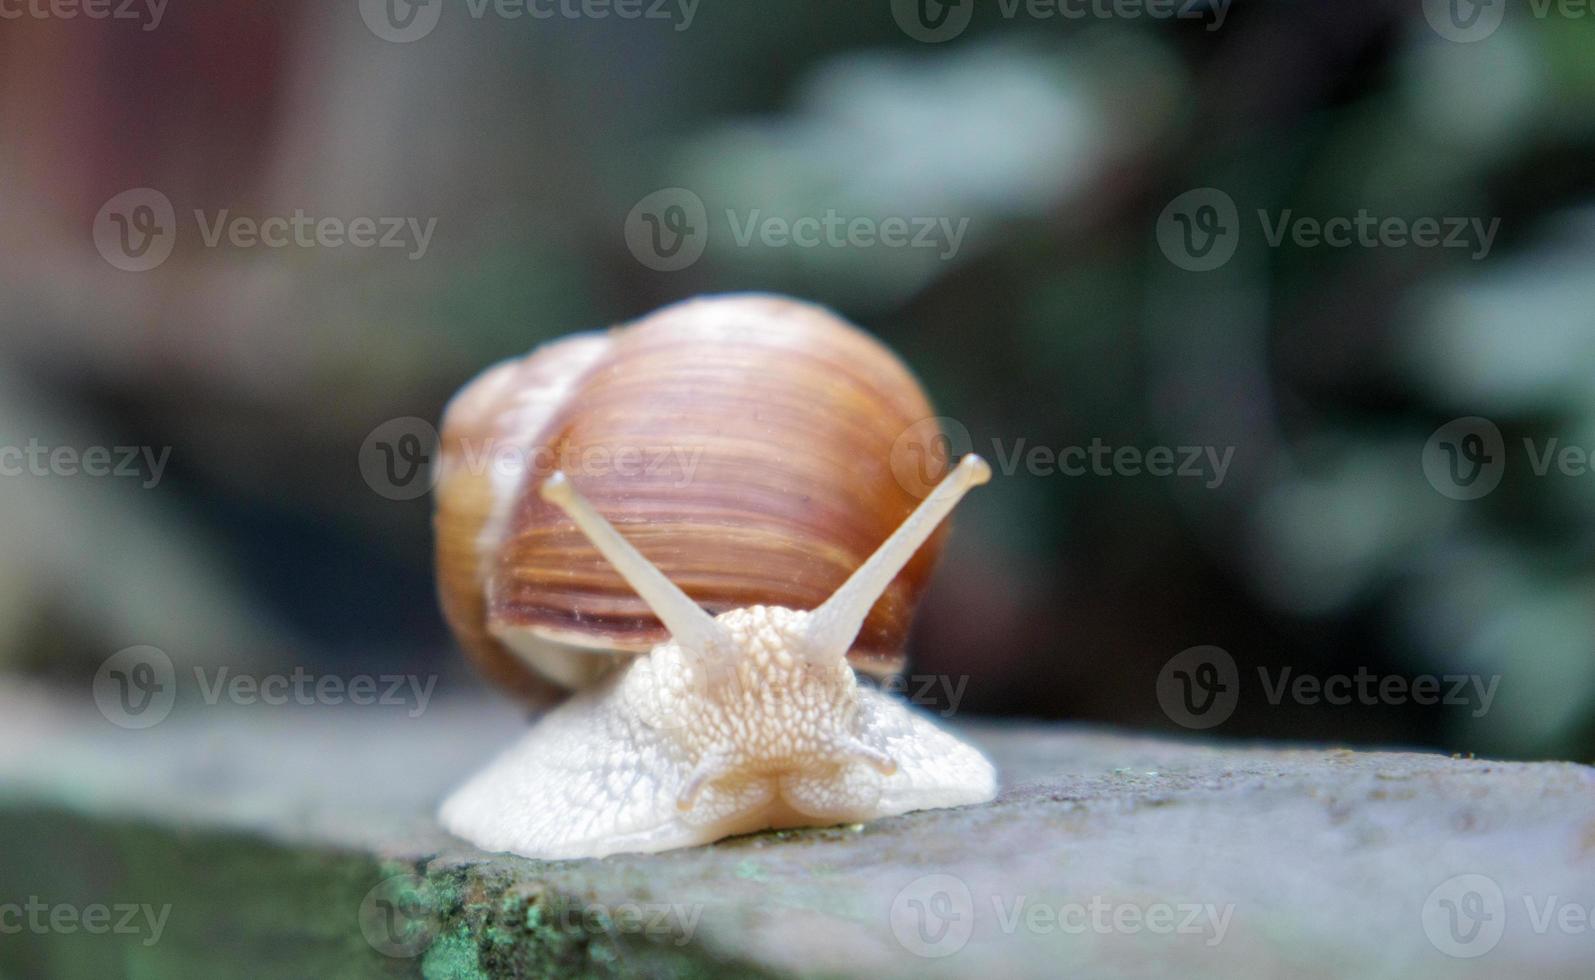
691,627
835,624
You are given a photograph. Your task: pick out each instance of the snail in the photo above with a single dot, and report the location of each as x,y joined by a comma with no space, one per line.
697,524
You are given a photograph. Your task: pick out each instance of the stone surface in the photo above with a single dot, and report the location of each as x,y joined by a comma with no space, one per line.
299,842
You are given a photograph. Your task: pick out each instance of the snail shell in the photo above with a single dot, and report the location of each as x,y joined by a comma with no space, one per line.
744,444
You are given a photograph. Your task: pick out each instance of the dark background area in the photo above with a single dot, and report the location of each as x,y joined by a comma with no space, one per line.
1065,315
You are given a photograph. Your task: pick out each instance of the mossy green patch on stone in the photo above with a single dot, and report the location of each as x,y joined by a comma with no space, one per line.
453,957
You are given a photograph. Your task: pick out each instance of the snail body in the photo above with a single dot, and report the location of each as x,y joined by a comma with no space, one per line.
694,524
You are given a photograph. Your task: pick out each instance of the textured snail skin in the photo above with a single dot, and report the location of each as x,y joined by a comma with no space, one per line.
791,743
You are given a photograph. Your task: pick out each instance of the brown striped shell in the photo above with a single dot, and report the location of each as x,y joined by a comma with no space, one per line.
744,444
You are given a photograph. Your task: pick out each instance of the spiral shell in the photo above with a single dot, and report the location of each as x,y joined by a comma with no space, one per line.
744,444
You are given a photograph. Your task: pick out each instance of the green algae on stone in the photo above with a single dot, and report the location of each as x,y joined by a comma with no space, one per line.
453,957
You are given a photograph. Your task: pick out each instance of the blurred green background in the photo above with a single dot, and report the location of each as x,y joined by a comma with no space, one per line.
1066,313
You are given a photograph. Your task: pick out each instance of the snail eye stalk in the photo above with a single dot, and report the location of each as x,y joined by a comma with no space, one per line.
693,629
835,624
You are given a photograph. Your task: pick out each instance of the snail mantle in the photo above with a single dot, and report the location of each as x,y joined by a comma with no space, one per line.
302,843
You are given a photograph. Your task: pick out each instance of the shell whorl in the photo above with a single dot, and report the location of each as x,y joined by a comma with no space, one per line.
742,443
